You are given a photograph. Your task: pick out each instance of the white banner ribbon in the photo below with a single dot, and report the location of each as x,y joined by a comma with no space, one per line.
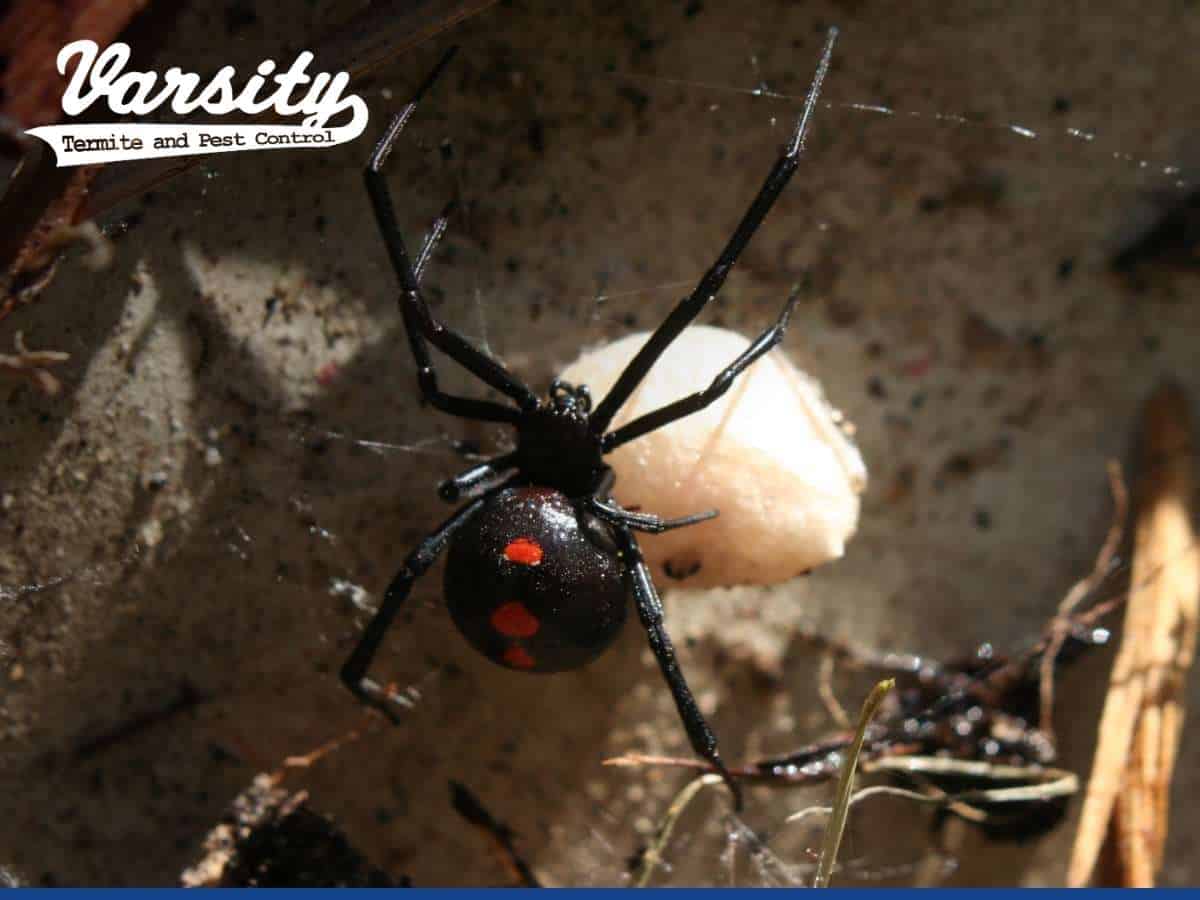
83,145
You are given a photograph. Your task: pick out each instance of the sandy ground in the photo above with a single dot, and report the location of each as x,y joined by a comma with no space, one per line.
181,542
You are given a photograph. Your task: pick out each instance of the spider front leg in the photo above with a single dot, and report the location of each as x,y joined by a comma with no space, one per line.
423,329
354,672
650,610
690,307
692,403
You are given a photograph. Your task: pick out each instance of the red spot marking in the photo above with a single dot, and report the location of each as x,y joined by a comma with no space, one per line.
514,620
525,551
917,368
327,374
518,658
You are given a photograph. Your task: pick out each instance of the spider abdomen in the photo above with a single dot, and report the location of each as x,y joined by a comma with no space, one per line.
533,585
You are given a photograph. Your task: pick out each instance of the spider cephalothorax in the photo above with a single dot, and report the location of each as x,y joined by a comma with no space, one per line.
542,561
556,444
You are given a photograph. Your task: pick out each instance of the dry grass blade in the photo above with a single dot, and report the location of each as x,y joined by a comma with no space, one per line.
845,787
652,856
1124,818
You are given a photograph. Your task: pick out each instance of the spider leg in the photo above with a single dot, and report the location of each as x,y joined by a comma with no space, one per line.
423,329
469,483
354,672
615,515
685,406
431,240
650,609
690,307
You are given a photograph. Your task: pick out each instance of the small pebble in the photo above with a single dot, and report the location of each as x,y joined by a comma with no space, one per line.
151,533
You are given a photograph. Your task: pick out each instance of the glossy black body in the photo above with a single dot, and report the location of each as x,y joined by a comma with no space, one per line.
541,559
575,593
556,445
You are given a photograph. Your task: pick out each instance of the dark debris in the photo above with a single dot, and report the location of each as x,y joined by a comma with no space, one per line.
271,838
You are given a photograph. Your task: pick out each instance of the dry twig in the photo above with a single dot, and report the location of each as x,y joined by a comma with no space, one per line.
1061,624
826,692
34,365
467,805
1124,819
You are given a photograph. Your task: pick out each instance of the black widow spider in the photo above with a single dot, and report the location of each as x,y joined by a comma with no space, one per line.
541,558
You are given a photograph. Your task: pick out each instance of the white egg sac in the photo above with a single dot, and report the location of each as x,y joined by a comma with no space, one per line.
770,456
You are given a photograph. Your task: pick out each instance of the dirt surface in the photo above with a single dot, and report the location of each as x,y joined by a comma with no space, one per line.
183,534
